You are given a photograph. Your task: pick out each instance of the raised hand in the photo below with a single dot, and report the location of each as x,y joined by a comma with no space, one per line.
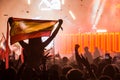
77,46
60,21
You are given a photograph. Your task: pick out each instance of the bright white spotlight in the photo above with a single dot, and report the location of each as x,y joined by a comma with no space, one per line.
36,18
96,5
29,2
72,15
101,30
99,13
55,4
63,2
50,5
45,9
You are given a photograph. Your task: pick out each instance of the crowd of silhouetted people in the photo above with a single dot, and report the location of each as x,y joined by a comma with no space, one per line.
83,66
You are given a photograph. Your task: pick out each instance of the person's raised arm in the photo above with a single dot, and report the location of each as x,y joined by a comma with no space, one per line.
77,56
54,33
82,60
10,20
76,49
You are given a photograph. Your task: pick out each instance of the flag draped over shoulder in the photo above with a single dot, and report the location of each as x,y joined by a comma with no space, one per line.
22,29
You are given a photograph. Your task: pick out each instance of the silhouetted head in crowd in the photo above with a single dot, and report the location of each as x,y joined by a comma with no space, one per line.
53,74
66,69
56,67
88,54
105,77
75,74
64,61
107,56
110,70
86,48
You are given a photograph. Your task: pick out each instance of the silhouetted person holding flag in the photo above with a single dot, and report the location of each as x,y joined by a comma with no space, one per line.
34,51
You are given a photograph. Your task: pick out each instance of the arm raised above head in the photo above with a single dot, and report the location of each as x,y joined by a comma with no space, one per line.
54,33
10,20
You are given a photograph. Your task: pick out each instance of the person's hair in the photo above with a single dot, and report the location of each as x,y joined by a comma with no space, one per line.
105,77
65,59
74,74
110,70
86,48
66,69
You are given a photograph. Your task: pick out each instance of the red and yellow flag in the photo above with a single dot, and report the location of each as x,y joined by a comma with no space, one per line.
22,29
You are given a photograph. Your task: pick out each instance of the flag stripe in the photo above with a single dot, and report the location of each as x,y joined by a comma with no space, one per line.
19,37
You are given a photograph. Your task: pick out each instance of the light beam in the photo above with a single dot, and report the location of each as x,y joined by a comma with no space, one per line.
72,15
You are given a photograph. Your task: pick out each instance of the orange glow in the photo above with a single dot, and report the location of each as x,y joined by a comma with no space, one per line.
96,40
113,41
107,42
102,42
81,50
91,42
119,42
